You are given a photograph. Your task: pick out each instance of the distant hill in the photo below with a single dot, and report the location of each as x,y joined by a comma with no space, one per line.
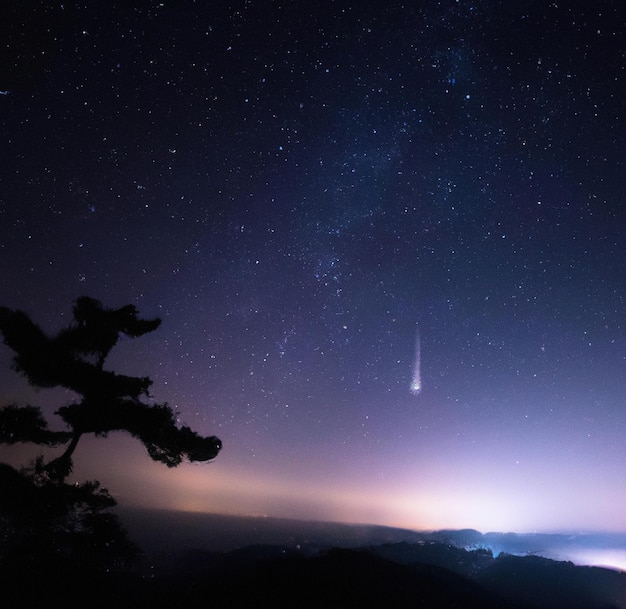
172,531
162,530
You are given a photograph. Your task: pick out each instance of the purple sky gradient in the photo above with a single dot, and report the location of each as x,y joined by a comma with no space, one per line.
294,191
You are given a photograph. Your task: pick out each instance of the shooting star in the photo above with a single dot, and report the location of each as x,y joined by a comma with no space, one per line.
416,383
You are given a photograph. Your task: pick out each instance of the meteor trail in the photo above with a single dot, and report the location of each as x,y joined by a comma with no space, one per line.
416,383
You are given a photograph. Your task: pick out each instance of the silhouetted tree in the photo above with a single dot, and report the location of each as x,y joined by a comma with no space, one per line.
74,359
46,523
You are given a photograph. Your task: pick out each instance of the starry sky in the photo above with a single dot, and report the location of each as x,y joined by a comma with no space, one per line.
318,199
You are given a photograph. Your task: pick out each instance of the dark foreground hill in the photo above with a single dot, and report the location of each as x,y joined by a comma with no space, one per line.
254,577
265,577
191,561
399,575
528,581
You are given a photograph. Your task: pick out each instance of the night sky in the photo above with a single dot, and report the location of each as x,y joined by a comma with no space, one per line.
322,200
